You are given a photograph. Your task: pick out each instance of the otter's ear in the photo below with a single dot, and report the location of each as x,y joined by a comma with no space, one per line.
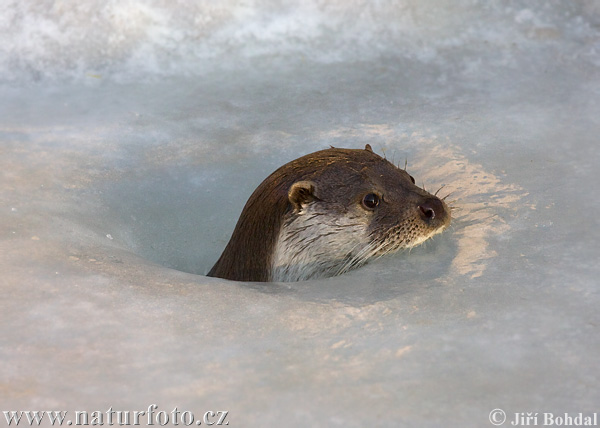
368,148
301,193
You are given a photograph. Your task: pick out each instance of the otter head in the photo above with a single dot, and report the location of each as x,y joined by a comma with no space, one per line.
326,213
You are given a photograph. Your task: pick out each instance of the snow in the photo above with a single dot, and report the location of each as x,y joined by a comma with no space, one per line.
132,133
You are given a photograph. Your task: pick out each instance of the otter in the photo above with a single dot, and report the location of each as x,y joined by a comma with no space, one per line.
326,213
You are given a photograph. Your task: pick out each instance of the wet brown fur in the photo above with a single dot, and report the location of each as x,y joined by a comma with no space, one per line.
249,254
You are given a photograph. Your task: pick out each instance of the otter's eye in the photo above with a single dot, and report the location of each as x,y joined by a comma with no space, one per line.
412,179
371,201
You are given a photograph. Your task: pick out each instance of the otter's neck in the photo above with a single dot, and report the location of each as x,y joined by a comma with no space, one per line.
248,255
316,243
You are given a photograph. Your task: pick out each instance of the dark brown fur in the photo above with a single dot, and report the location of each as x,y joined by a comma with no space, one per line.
336,178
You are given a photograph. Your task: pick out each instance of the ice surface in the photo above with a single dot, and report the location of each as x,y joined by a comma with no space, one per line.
132,133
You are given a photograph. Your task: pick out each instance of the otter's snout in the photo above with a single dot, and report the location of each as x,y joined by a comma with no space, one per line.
433,208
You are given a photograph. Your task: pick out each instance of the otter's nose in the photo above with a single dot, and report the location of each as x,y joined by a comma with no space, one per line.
432,208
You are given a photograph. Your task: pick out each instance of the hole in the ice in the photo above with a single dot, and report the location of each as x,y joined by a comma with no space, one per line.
180,217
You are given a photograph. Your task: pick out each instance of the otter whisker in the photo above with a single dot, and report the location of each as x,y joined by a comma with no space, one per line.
360,257
366,253
444,198
438,190
348,261
318,216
